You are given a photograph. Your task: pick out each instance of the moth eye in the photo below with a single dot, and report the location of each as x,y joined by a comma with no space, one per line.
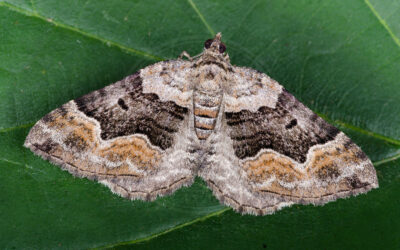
222,48
207,44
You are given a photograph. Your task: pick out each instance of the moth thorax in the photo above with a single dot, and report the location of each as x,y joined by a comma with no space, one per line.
206,108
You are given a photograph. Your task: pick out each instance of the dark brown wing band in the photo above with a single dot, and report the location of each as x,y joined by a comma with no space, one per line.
290,129
134,113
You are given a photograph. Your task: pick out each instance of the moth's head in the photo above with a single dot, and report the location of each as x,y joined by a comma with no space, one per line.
215,45
215,48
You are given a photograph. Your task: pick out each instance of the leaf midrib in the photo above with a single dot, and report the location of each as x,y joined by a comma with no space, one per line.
130,50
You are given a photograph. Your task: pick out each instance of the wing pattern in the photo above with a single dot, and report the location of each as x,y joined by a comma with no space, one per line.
278,155
257,147
129,140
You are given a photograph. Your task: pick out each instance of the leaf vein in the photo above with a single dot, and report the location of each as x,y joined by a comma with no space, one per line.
27,125
360,130
201,17
207,216
383,22
122,47
386,160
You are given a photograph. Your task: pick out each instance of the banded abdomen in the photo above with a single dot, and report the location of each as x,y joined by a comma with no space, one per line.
206,109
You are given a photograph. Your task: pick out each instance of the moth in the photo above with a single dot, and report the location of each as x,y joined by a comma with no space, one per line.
255,145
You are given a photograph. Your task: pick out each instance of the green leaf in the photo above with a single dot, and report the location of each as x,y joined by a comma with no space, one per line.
340,58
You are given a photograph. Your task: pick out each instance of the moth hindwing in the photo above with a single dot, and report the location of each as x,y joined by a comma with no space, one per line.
256,146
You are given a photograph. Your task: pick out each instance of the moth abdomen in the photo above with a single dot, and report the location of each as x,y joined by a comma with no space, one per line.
206,108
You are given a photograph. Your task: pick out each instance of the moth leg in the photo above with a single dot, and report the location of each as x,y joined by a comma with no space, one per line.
185,54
